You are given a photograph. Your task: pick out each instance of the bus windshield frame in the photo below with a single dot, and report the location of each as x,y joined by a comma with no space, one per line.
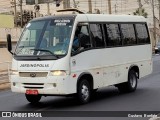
45,39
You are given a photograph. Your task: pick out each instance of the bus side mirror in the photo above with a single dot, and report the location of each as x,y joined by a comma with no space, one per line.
9,43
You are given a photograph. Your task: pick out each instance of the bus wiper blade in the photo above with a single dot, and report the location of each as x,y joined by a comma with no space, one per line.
44,50
20,49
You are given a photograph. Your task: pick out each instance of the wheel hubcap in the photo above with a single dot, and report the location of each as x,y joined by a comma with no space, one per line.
85,92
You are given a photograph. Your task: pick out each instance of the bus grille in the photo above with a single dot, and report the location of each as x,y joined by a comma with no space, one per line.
33,85
33,74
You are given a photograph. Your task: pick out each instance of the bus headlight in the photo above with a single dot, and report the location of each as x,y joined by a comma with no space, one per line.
14,72
58,73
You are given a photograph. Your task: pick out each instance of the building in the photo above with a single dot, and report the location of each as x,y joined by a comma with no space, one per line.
117,7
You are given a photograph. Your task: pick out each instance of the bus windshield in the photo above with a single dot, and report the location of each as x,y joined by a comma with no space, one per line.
45,38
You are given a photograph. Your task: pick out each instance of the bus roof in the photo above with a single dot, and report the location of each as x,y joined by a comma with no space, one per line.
110,18
98,18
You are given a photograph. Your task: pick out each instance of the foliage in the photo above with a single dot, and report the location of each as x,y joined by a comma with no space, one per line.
142,13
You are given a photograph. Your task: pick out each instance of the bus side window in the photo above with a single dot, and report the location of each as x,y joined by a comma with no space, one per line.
96,31
142,33
84,37
113,35
128,34
81,39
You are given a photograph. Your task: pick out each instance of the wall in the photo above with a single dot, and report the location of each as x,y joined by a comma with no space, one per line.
15,33
5,57
6,21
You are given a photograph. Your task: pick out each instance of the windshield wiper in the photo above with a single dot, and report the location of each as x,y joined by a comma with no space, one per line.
44,50
20,49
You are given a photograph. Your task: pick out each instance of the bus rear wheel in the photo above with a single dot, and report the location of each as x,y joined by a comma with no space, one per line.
83,91
131,84
33,98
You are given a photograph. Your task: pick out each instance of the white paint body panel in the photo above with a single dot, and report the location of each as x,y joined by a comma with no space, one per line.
113,64
108,66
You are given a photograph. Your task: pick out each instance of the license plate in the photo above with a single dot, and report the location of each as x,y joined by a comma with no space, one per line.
32,92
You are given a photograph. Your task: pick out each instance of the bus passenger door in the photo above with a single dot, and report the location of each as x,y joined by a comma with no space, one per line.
83,58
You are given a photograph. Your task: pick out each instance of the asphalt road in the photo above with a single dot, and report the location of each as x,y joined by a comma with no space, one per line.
146,98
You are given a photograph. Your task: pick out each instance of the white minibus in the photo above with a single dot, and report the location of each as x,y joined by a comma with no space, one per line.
78,53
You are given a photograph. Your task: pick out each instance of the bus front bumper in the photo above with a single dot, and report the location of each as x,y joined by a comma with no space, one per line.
53,85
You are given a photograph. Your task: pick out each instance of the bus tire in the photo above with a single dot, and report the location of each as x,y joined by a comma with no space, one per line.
33,98
94,90
131,84
83,91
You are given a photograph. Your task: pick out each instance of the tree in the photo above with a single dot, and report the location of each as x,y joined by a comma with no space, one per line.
142,13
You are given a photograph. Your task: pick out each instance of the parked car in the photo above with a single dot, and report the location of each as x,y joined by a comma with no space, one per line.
157,48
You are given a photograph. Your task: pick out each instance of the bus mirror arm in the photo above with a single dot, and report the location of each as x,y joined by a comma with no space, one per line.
9,43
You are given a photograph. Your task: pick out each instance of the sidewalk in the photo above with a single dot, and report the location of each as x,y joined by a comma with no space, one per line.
4,85
4,75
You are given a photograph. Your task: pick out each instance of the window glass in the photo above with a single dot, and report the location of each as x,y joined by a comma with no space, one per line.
128,34
30,38
45,38
84,30
97,36
81,39
113,34
142,33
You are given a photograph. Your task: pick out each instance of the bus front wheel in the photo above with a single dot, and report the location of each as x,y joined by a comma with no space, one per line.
131,84
83,91
33,98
